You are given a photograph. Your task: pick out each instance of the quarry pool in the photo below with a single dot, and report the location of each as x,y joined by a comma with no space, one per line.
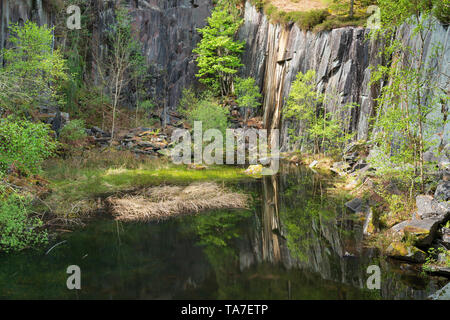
294,243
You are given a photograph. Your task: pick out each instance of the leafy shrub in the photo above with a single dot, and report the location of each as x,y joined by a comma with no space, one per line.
211,114
321,128
73,131
17,230
247,93
24,144
308,20
31,63
442,11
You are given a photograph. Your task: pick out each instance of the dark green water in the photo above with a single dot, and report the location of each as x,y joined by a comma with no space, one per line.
293,244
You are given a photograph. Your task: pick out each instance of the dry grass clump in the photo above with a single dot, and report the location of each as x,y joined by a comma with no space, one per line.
159,203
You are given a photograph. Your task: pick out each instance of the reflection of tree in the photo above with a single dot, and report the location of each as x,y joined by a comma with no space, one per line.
217,230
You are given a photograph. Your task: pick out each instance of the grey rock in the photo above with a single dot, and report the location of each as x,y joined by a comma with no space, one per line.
446,237
429,156
439,271
427,207
446,150
368,228
424,230
355,205
441,294
443,162
442,192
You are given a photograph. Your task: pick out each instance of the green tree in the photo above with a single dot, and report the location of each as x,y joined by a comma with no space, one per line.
404,126
211,114
124,62
33,70
302,105
218,53
247,93
326,130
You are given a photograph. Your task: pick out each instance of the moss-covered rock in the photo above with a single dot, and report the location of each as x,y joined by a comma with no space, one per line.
402,251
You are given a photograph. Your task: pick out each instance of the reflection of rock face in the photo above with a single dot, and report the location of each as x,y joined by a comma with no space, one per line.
328,244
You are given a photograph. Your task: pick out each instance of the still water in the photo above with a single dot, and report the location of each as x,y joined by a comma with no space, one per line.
294,243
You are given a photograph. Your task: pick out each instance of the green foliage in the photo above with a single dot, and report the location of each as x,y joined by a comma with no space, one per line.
211,114
309,19
442,11
33,69
18,230
24,144
247,93
405,127
73,131
305,105
218,53
216,229
319,19
431,260
147,105
187,101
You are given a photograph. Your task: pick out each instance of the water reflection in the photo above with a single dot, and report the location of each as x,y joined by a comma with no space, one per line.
296,243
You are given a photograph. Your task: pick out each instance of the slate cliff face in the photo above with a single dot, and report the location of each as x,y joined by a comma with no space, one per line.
342,59
168,32
274,54
166,28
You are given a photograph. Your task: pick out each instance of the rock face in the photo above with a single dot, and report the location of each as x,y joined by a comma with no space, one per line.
341,58
274,55
423,227
443,191
168,33
167,30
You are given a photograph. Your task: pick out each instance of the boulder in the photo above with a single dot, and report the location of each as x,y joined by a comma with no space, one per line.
443,162
429,156
422,231
443,191
254,169
446,150
401,251
369,227
441,294
445,232
358,205
439,271
427,207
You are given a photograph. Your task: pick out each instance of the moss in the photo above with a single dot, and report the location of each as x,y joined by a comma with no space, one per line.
315,20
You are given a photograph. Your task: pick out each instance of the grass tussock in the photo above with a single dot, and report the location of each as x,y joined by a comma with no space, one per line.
160,203
79,183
